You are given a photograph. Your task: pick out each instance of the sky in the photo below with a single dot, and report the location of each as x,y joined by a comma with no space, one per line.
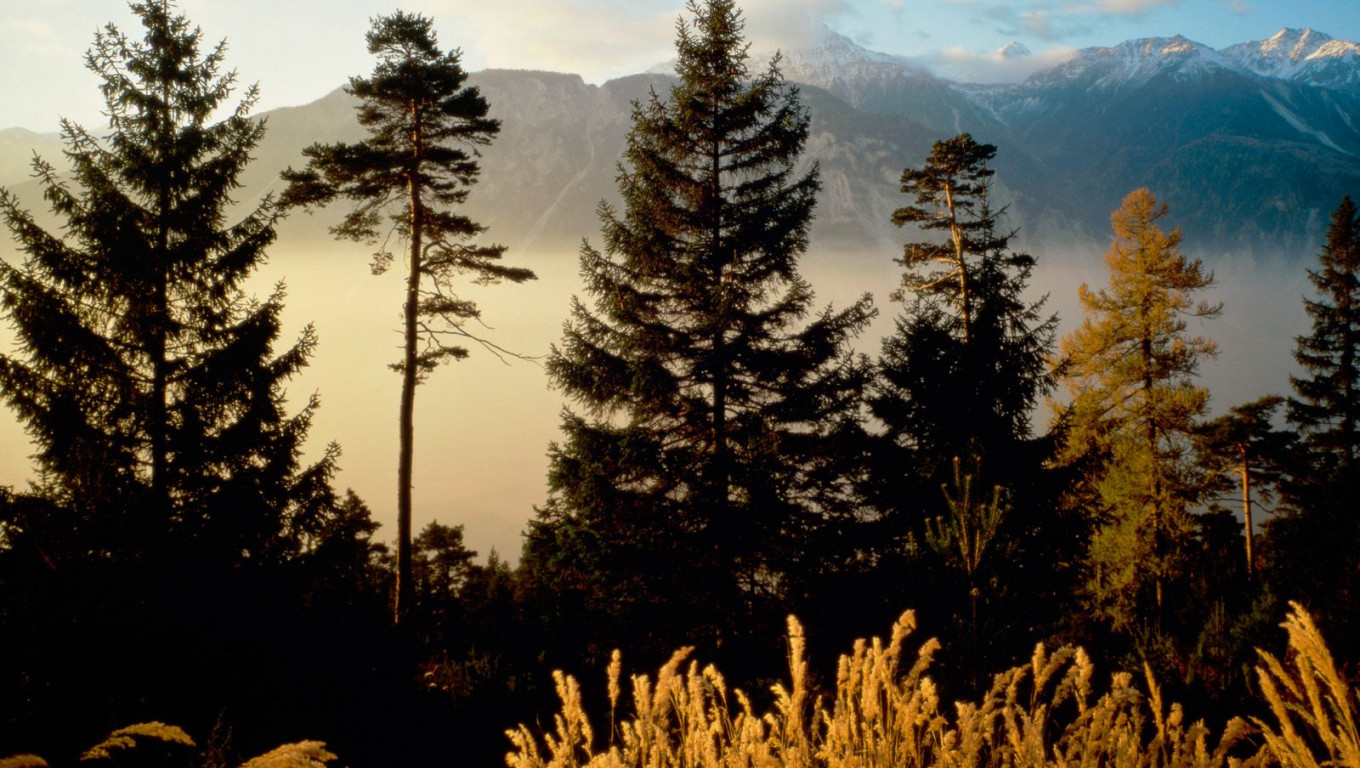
299,50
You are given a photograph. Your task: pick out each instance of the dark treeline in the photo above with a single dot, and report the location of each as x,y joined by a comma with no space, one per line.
726,459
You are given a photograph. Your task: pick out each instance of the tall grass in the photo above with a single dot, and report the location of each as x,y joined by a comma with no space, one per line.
157,745
887,713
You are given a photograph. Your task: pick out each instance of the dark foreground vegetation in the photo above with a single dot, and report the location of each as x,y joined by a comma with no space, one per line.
726,460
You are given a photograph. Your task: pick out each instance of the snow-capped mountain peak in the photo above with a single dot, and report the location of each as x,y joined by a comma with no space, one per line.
1136,61
1300,54
836,58
1293,44
1014,50
832,58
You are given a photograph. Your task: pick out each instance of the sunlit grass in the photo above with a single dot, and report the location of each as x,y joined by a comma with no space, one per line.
886,712
158,744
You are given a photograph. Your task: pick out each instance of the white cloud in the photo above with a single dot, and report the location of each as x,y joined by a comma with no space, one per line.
1038,19
600,39
1239,7
34,38
597,39
958,63
1133,7
785,25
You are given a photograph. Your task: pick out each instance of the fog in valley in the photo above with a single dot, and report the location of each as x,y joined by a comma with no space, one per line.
483,425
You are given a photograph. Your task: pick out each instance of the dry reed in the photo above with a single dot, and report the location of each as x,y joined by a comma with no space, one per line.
886,714
150,743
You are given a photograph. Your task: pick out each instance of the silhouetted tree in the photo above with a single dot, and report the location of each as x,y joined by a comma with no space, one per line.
966,363
703,491
441,567
1317,542
957,381
151,566
144,374
1326,409
1245,443
419,161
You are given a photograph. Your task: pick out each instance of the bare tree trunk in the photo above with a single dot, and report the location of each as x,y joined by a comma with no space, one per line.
409,377
965,291
1246,509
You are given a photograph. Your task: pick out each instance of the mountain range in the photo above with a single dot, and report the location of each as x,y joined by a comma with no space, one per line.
1252,145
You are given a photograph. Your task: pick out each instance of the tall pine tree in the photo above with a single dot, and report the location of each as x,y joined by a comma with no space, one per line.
146,570
144,374
696,496
957,381
966,363
1130,370
420,159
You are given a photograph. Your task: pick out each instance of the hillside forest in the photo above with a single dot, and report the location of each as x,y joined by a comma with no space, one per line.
183,583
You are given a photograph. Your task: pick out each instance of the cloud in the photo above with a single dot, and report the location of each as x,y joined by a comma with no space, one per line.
1001,66
601,39
1133,7
1054,20
1239,7
785,25
34,38
1039,19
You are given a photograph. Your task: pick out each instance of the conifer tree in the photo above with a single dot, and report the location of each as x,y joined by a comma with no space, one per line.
1326,409
967,361
144,374
425,126
957,380
1130,370
686,498
1316,544
1244,443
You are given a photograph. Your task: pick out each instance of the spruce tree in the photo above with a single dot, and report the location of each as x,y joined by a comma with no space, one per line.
155,563
420,159
143,373
696,494
1130,370
1316,544
1326,408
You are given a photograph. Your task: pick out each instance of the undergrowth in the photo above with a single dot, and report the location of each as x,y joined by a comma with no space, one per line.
887,713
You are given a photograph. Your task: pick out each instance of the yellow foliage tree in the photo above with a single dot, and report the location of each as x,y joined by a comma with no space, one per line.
1130,371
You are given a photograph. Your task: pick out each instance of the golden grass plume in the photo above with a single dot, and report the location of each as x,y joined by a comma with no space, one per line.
886,712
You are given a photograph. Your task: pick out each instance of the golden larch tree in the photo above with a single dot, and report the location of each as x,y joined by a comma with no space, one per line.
1130,371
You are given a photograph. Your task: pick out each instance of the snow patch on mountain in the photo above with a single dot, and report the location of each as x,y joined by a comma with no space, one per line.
1298,124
